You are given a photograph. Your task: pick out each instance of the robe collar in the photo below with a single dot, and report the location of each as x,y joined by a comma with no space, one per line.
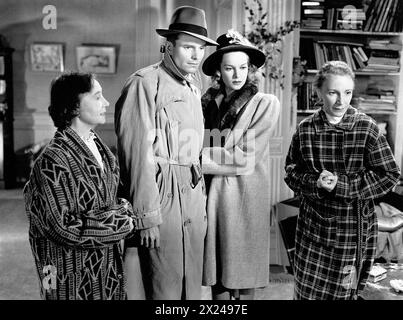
347,122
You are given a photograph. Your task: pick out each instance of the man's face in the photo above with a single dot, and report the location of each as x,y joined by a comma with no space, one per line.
187,53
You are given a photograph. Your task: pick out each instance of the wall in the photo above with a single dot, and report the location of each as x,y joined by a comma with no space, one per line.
128,23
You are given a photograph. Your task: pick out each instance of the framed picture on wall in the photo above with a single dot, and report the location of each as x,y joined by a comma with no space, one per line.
96,58
47,57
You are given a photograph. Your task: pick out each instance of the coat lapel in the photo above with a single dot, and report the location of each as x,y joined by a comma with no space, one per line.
234,135
84,157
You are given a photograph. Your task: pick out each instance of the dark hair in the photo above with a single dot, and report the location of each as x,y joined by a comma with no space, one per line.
338,68
172,38
65,93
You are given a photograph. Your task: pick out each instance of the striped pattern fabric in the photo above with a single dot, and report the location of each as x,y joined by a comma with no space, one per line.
76,221
337,232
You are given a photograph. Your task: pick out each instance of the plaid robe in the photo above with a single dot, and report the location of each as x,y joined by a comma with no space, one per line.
337,232
76,222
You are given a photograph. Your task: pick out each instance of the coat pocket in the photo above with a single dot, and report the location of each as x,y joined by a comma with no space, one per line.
320,229
162,185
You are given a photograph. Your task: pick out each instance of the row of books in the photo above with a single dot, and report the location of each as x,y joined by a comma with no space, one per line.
375,60
351,53
307,98
384,16
378,16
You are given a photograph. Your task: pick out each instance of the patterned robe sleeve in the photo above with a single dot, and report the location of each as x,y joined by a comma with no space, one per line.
240,158
380,175
52,199
296,175
135,129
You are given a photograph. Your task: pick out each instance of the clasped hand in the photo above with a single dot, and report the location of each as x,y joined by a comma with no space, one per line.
327,180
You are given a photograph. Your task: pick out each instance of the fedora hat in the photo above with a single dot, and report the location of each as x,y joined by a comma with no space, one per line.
189,20
228,42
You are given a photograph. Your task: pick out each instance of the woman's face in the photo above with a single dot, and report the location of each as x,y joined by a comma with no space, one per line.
336,93
234,70
93,106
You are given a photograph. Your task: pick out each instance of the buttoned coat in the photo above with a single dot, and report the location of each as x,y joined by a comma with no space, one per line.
337,231
159,124
76,222
238,203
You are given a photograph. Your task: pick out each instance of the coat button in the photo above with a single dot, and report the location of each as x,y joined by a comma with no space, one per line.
183,189
187,221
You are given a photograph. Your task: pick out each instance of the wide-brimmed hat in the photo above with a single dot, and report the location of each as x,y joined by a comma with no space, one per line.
228,42
189,20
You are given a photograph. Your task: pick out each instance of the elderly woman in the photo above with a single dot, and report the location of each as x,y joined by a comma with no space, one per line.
238,121
338,163
76,221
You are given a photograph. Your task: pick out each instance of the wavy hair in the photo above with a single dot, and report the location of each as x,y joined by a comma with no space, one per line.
65,91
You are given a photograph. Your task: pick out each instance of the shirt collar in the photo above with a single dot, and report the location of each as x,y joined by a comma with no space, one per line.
169,65
347,122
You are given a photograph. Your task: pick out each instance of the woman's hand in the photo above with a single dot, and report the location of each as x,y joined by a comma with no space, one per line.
327,180
150,238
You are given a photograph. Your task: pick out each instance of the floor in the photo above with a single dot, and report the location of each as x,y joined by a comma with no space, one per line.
18,280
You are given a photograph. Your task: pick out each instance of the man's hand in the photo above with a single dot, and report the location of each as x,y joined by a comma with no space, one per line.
150,238
327,180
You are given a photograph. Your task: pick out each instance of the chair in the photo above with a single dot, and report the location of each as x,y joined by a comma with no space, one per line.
287,214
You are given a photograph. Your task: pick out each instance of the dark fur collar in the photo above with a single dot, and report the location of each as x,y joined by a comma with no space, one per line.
228,110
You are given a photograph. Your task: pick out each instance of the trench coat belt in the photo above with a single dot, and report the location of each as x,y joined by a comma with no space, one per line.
195,168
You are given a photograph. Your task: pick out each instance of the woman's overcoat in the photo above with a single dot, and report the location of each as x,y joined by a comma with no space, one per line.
337,231
238,205
76,222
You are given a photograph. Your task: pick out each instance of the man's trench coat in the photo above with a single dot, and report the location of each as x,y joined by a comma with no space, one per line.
159,124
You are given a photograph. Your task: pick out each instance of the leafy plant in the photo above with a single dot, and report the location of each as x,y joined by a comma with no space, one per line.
270,43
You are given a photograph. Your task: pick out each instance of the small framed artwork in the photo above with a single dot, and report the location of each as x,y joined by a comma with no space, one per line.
96,58
47,57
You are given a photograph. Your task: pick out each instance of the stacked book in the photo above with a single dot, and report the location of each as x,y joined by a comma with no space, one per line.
384,16
382,58
378,97
313,14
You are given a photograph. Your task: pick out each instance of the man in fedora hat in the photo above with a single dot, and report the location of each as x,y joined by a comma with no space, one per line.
159,125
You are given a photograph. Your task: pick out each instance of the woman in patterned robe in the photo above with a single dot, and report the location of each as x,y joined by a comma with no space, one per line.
338,162
76,222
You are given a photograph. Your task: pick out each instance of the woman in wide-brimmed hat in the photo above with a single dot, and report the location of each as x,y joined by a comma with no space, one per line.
239,120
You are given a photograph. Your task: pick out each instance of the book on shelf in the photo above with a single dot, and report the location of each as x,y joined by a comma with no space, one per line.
345,51
392,45
308,99
384,16
377,97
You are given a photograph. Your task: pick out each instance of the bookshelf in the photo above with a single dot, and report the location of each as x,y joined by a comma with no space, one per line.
374,56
